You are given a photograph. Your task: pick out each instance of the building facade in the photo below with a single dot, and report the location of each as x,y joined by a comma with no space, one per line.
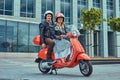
19,21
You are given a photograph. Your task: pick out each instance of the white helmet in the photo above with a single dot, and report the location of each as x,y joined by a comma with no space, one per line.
48,12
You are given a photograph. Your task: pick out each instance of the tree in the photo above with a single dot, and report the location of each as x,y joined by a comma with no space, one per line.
114,24
91,19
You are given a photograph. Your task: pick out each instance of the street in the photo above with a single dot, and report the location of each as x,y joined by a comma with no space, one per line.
27,69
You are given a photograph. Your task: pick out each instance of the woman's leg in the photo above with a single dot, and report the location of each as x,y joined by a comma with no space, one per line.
50,44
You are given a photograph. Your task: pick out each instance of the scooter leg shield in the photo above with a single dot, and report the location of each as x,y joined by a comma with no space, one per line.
83,56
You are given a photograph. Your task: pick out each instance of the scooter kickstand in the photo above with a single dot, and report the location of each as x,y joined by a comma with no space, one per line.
55,71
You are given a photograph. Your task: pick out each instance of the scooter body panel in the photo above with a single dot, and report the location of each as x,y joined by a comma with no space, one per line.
83,56
42,54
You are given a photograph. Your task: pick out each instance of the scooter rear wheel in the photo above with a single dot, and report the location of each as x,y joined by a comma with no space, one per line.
85,67
40,66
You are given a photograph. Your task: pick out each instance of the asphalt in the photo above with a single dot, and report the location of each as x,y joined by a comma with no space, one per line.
27,69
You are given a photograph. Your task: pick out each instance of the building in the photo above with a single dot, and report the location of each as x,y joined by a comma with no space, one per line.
19,20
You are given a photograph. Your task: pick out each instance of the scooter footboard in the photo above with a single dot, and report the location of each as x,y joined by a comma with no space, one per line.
83,56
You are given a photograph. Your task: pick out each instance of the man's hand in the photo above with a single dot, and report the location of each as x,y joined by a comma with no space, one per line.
43,45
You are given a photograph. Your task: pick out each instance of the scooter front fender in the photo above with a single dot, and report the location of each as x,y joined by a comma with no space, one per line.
83,56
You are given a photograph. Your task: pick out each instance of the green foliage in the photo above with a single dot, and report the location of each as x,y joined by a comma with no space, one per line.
91,18
114,24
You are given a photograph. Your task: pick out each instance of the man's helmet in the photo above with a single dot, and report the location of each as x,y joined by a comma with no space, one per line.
59,15
48,12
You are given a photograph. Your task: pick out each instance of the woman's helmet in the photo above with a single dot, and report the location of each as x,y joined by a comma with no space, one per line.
59,15
48,12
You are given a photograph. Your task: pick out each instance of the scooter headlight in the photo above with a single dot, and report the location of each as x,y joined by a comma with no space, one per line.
74,33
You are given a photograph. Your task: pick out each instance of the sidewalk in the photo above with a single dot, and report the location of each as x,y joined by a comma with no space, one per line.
17,55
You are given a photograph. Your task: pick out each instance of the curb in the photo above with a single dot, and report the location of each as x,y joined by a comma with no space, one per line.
96,61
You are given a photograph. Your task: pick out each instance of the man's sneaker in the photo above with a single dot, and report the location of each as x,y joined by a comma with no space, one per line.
37,60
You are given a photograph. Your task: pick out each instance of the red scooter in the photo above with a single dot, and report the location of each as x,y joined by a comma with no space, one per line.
77,56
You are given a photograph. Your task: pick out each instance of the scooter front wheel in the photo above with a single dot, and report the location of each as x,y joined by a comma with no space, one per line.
85,67
41,67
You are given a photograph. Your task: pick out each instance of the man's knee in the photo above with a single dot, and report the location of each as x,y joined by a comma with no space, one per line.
53,43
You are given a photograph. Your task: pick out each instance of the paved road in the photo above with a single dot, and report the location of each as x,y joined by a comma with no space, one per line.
26,69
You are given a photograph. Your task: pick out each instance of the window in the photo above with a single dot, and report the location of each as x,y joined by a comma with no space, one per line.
119,8
6,7
46,5
65,9
11,36
34,30
18,36
110,4
23,37
96,3
82,4
109,9
27,8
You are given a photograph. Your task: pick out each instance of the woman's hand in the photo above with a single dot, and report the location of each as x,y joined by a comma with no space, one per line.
43,45
62,36
69,34
58,37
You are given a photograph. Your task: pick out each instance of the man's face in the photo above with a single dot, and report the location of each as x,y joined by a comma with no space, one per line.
48,17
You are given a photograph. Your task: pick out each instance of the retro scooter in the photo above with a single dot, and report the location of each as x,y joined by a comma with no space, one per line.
77,56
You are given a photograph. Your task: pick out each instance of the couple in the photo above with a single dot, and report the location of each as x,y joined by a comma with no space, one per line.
51,33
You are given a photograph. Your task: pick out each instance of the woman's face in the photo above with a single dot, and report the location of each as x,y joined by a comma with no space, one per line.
48,17
60,20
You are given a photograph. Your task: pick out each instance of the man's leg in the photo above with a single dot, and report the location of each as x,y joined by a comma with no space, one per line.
50,44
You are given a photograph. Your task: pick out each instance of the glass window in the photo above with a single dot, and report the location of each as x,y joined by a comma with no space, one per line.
8,36
27,8
34,30
97,3
110,9
65,9
23,37
47,5
67,1
1,4
6,7
119,8
82,4
96,46
2,36
18,36
23,6
11,36
8,4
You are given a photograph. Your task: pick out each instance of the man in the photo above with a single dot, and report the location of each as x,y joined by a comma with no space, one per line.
47,34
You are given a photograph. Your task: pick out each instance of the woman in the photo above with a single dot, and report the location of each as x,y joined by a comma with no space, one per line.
62,46
46,34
